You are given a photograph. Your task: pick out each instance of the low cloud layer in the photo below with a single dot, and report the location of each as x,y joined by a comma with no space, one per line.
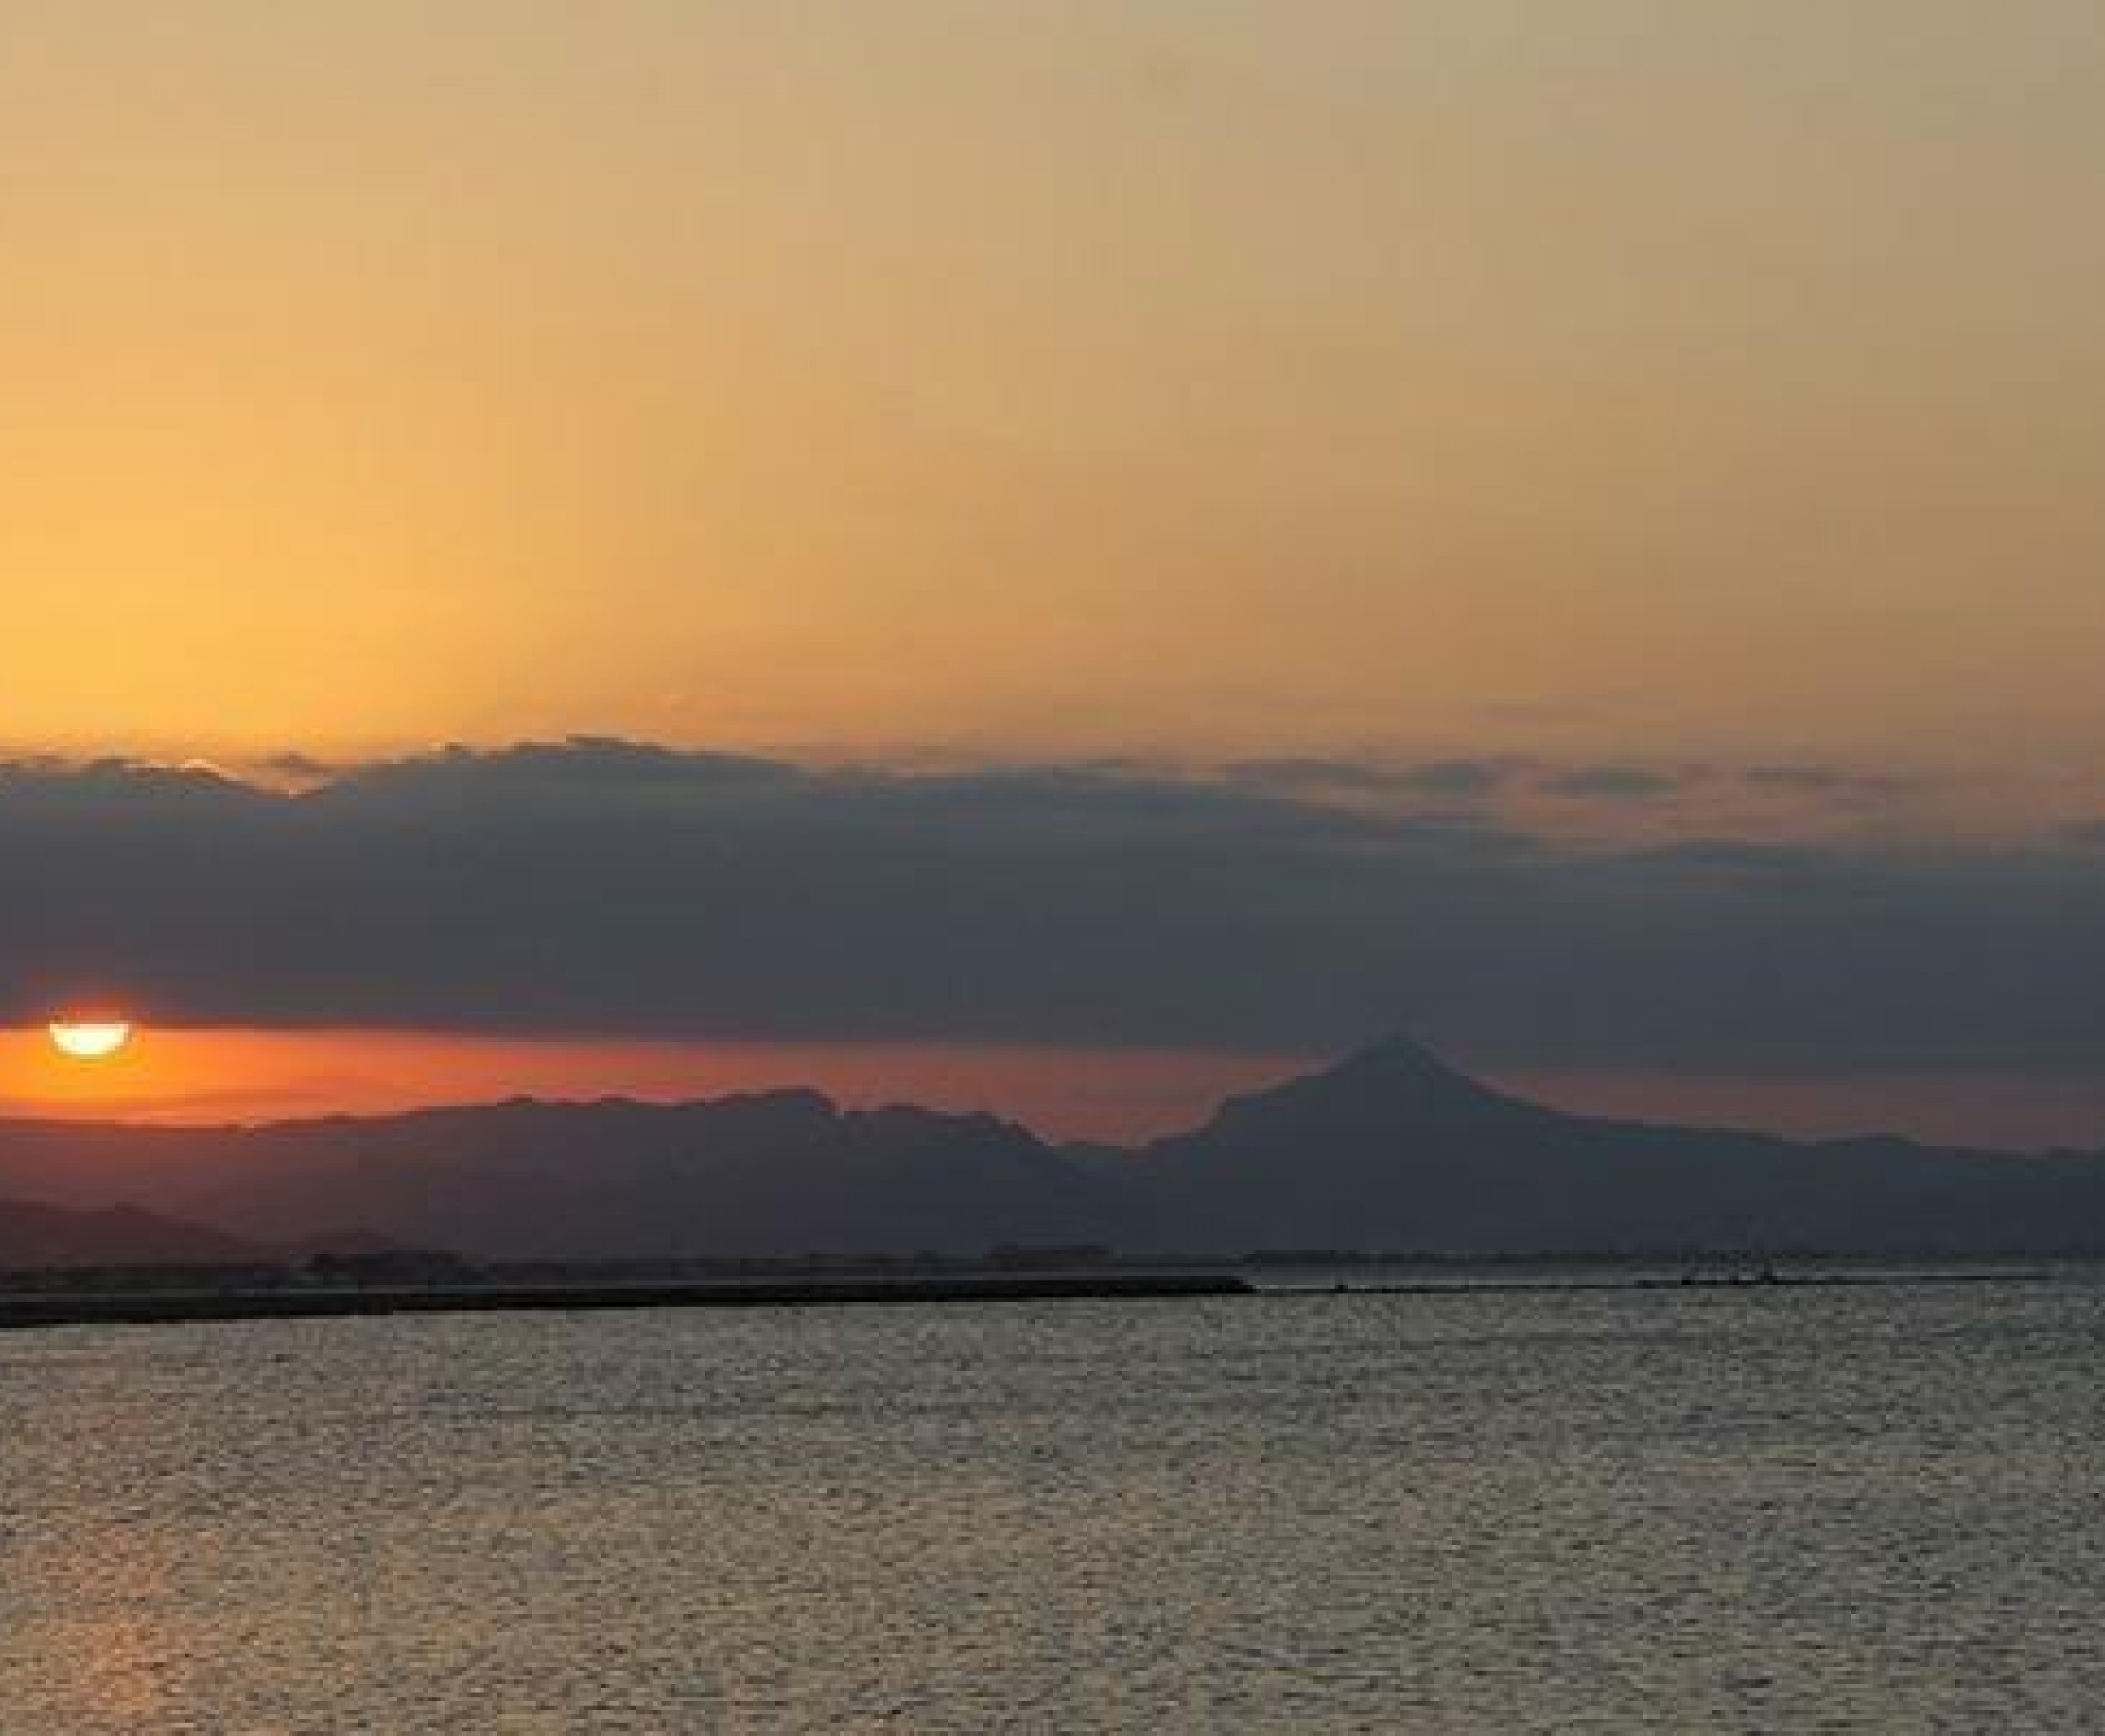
606,887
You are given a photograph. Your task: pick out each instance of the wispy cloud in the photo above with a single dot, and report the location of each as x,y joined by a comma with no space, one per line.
1614,783
1443,779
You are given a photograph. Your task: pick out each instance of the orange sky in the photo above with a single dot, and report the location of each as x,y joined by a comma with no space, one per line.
214,1077
220,1075
1187,378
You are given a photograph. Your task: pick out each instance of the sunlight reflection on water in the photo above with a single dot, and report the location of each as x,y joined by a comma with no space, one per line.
1865,1510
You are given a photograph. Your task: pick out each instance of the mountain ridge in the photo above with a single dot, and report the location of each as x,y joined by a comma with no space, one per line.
1390,1148
34,1235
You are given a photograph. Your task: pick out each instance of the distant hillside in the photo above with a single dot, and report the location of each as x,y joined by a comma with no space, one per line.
1395,1149
1391,1149
35,1237
783,1173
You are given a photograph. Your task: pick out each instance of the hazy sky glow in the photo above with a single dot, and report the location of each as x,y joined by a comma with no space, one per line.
1535,434
1635,374
214,1077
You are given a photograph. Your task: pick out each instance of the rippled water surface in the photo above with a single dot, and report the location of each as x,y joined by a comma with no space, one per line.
1812,1509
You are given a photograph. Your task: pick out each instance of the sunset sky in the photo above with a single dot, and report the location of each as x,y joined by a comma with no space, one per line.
1070,556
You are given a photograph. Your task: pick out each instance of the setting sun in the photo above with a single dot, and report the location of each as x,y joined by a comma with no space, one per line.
91,1040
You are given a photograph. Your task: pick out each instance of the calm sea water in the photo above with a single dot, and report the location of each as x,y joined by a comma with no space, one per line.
1800,1510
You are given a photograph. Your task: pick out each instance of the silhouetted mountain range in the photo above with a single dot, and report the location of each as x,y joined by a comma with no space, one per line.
1391,1149
49,1237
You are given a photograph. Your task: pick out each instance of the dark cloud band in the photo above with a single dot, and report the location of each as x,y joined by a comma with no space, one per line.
610,887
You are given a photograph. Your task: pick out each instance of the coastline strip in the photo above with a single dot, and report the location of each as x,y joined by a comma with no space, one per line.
174,1307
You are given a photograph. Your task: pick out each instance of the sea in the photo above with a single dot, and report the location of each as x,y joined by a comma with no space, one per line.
1750,1508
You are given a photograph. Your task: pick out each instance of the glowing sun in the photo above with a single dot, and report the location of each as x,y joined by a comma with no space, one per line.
91,1040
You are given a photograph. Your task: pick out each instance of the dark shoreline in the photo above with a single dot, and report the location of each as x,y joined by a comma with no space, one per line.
26,1311
29,1311
1756,1285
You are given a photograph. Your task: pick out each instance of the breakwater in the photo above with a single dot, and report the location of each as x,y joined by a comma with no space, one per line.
174,1307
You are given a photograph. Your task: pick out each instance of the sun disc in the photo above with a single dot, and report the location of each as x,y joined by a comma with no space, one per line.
89,1040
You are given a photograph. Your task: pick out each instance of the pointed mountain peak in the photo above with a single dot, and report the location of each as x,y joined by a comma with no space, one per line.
1397,1055
1396,1077
1398,1064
